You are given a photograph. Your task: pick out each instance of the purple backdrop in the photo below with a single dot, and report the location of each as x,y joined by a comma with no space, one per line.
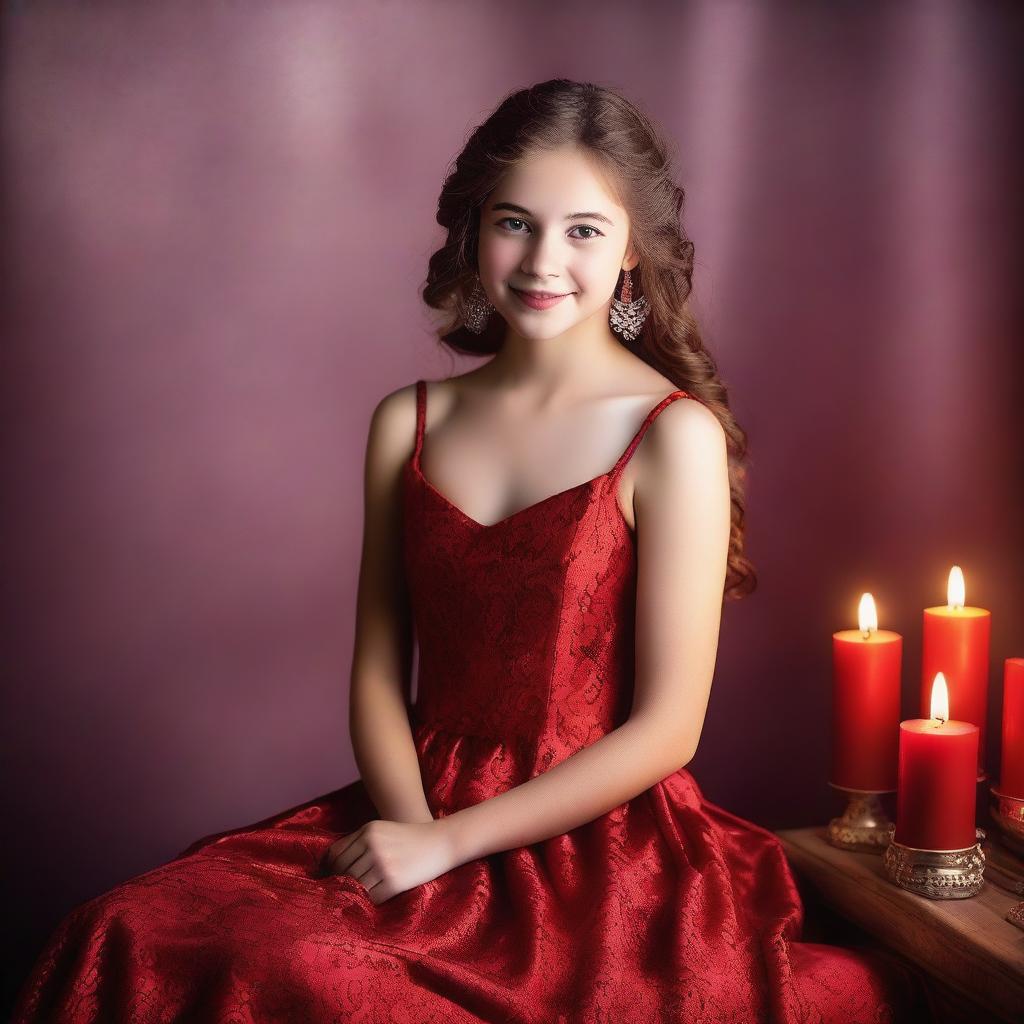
217,221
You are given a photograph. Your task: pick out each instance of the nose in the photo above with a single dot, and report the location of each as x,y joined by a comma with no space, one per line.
542,260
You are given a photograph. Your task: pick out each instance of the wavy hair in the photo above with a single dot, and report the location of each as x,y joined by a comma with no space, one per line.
629,149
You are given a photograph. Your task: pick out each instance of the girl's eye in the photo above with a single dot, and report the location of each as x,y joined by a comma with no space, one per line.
578,227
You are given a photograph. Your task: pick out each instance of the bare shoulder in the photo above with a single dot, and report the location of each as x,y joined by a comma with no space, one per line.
686,440
391,436
394,417
688,422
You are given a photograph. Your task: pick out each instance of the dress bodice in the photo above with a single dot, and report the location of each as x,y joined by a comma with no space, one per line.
525,627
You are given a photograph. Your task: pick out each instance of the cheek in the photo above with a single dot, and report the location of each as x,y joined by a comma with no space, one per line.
595,279
496,258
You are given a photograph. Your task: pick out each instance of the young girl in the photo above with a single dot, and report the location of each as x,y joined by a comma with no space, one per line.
558,528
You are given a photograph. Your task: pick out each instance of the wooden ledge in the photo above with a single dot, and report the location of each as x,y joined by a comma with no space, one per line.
966,945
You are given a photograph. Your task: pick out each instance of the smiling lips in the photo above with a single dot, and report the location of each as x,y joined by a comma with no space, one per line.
539,300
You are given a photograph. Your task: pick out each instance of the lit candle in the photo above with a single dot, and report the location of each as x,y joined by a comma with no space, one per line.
1011,777
865,703
935,798
956,643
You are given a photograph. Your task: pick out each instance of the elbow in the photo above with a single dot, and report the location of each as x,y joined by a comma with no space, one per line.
671,748
679,747
682,753
675,751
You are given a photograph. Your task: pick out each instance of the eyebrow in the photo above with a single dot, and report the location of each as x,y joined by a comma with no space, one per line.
572,216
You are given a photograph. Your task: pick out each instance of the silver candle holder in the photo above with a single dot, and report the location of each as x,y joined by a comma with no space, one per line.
1008,814
937,874
1006,850
864,825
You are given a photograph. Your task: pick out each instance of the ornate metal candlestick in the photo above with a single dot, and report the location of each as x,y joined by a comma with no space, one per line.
1006,851
1008,813
938,874
864,825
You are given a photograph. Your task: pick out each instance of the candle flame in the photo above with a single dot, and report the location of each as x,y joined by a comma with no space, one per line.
867,615
940,698
956,590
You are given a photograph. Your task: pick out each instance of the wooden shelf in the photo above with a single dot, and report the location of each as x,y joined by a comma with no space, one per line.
966,945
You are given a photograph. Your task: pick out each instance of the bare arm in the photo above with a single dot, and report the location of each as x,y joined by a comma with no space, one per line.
682,518
379,696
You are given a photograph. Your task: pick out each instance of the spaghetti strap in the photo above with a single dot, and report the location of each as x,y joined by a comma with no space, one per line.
613,476
421,419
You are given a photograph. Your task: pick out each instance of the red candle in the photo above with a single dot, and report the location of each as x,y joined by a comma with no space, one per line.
935,798
865,704
956,643
1011,777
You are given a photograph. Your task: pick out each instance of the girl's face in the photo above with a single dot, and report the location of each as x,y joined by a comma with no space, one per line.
551,225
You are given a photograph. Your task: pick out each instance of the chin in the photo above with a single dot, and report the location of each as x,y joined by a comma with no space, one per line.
546,333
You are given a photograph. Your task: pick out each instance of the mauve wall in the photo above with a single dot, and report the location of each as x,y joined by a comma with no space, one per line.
216,224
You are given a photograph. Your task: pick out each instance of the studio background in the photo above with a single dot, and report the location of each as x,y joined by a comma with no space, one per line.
217,221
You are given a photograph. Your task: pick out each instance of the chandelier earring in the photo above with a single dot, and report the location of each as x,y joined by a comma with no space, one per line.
627,315
478,308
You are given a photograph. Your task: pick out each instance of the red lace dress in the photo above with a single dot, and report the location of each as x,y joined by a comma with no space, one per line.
667,908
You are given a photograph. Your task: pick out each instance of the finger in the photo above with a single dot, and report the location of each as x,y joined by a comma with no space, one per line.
378,892
354,861
338,846
371,878
361,866
351,837
339,861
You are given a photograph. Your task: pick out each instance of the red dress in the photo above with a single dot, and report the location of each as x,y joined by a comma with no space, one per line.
667,908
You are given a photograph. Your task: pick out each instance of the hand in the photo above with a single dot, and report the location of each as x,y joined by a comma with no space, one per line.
388,857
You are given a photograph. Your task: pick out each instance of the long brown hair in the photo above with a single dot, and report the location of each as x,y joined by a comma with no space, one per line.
629,149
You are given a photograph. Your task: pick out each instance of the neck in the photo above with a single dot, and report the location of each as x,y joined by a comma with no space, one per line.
579,361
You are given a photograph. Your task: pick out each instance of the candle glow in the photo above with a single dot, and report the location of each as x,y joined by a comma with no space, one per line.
940,698
956,588
867,615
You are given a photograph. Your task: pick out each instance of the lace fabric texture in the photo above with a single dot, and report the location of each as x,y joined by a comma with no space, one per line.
666,909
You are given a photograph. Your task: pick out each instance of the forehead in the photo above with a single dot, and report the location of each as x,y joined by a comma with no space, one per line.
552,183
